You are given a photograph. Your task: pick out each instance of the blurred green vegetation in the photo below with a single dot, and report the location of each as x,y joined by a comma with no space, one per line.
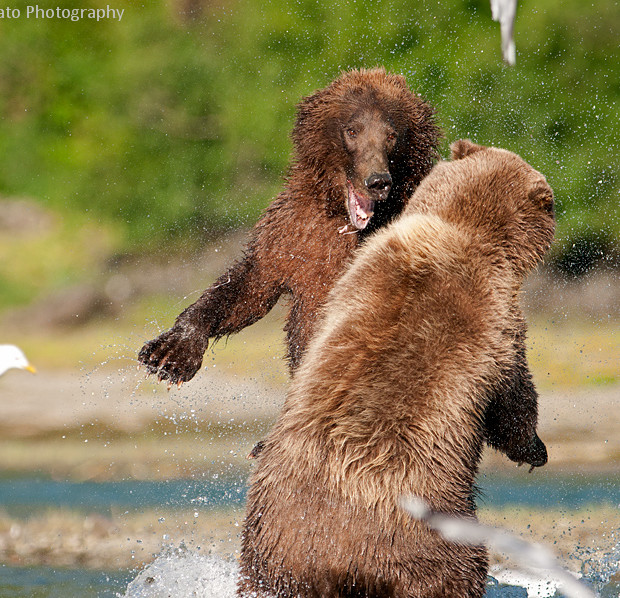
173,124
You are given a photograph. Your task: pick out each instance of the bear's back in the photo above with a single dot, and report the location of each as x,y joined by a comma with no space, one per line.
414,334
422,296
387,403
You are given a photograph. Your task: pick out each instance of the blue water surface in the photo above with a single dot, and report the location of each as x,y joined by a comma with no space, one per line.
21,496
548,490
45,582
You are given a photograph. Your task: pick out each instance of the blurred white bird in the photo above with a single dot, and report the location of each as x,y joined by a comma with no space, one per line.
504,11
534,557
13,357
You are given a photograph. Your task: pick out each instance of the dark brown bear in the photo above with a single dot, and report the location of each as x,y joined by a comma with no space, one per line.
417,339
361,146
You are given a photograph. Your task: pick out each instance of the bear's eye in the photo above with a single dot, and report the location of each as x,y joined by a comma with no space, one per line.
351,133
391,136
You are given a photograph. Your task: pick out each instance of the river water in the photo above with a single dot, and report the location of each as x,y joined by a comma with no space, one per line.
23,495
186,573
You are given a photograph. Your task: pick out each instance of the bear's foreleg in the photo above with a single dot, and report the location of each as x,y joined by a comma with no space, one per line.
243,295
512,414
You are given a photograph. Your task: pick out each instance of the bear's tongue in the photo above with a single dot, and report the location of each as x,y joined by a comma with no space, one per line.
361,208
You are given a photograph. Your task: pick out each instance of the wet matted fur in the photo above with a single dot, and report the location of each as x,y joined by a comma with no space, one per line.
348,139
361,146
418,338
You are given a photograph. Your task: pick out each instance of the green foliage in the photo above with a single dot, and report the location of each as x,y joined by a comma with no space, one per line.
168,125
65,253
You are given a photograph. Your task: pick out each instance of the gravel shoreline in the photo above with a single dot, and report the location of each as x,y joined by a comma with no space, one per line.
65,539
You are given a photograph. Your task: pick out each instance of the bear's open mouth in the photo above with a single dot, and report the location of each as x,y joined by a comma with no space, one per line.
361,208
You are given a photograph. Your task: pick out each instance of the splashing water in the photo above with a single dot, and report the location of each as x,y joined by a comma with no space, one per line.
602,570
181,572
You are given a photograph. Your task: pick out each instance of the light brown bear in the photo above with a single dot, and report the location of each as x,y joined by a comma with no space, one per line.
417,339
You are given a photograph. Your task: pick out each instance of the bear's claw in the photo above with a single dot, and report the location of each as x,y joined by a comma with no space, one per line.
172,356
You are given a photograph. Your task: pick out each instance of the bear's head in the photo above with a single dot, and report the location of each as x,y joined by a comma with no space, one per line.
363,143
495,194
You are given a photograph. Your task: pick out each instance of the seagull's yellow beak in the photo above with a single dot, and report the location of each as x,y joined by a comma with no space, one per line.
31,369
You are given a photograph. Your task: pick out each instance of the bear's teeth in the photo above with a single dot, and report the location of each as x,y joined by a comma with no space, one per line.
360,207
347,229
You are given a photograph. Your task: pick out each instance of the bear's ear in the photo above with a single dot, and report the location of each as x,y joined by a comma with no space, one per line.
541,195
464,147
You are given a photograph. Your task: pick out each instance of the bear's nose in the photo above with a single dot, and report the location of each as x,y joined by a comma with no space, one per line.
380,183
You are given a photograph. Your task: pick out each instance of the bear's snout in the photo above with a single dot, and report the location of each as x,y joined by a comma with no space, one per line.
379,184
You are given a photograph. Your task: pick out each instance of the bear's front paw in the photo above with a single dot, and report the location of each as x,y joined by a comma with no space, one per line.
173,356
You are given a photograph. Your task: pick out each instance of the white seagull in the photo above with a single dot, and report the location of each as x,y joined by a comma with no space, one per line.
13,357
